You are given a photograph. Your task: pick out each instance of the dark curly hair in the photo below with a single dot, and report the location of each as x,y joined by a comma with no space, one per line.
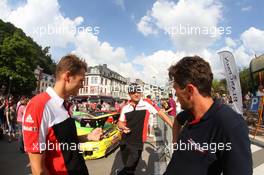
194,70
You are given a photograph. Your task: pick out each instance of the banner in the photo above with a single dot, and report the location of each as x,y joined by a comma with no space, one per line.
232,79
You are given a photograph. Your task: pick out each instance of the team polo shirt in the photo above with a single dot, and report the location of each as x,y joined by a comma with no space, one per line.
136,118
48,127
217,143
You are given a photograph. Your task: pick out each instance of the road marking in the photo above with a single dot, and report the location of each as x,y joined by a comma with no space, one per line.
258,170
254,148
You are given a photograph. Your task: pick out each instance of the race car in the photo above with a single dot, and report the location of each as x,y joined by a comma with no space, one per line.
86,122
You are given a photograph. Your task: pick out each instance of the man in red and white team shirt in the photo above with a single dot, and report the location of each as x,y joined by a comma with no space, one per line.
133,122
49,132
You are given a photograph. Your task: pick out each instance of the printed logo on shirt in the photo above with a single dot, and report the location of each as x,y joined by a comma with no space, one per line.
29,119
141,107
197,146
29,128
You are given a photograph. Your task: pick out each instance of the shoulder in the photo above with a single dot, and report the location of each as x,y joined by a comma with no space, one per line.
125,108
38,103
228,119
40,98
184,116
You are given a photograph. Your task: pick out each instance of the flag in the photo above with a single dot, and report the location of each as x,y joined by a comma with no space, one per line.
232,79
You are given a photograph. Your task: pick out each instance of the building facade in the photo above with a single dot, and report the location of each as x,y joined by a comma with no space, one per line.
43,80
100,80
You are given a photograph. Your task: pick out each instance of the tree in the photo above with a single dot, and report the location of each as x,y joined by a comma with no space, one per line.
245,80
19,56
219,86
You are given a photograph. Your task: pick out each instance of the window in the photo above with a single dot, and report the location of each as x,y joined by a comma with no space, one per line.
94,80
87,80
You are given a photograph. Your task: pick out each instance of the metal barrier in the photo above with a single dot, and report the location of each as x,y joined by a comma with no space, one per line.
163,135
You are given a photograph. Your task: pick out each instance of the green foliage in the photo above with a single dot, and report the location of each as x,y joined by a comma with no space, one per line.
19,56
245,81
219,86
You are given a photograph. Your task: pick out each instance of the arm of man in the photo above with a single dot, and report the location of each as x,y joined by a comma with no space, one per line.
175,130
160,113
122,127
122,122
165,118
35,129
170,109
37,163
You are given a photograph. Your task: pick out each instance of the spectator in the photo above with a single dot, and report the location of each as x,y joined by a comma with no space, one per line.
11,119
260,91
20,112
2,114
172,107
117,107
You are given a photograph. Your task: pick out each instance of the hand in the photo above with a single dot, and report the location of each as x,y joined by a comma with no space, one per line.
125,130
95,135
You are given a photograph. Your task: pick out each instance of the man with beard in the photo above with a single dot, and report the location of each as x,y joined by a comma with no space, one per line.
214,139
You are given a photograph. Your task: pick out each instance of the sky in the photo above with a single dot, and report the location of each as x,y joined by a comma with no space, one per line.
142,38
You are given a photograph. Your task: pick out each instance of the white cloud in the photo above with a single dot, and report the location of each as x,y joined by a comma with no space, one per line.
253,40
5,9
246,9
191,25
242,56
230,42
87,45
48,28
157,64
162,15
96,52
146,26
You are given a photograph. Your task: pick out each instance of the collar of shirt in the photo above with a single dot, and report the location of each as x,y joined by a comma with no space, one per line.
139,104
214,107
54,95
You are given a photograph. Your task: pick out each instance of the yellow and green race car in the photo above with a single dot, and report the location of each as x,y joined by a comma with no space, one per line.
86,122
